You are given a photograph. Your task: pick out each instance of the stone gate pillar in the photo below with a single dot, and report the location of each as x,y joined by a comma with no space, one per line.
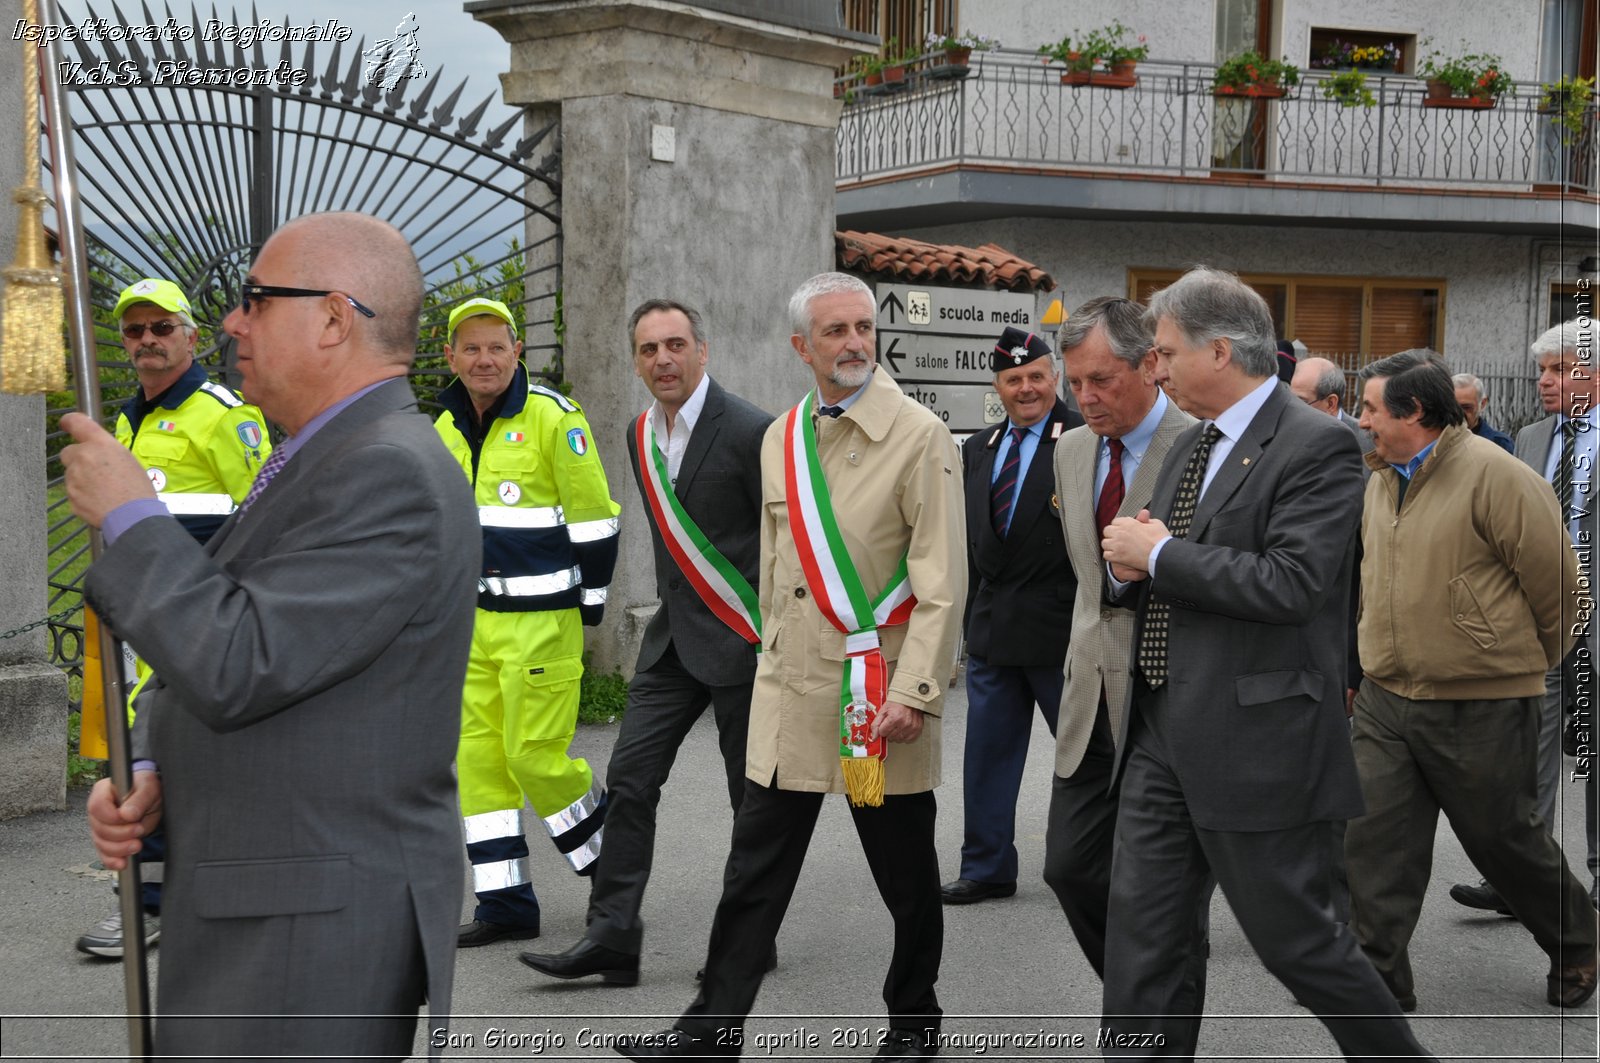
697,164
33,694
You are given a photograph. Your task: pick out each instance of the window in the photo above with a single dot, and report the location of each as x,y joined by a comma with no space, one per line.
907,21
1564,303
1351,320
1380,53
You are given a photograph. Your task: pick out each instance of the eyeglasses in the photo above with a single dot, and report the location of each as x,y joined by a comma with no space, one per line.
262,291
159,328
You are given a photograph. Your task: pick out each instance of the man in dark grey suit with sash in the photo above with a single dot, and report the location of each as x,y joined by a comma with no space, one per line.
308,664
700,479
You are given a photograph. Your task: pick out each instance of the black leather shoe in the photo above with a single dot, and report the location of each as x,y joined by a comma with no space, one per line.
1482,896
471,935
772,965
966,891
586,958
1571,987
676,1044
909,1044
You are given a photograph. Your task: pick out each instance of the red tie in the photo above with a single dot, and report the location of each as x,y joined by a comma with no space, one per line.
1111,491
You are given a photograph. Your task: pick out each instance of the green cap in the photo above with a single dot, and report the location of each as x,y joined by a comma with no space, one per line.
165,294
475,307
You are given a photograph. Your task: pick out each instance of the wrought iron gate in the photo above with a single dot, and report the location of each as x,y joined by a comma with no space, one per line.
191,152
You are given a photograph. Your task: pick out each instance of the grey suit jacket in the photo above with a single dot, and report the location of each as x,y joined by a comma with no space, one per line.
1533,447
305,717
1362,437
1256,647
719,485
1098,655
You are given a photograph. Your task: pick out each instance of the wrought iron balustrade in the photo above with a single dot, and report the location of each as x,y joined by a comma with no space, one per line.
1009,109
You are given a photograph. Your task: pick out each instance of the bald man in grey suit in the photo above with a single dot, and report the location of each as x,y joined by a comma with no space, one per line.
308,664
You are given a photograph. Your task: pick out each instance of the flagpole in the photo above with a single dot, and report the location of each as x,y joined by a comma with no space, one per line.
80,327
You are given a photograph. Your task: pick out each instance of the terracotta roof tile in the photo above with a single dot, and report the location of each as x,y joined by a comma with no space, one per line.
896,258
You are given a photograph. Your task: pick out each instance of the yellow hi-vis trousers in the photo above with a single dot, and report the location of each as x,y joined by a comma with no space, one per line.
519,711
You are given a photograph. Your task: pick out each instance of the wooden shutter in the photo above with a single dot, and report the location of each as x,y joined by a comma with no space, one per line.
1403,318
1327,318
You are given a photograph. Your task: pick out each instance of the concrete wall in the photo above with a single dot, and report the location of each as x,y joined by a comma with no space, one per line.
1497,287
33,695
1174,29
1185,30
732,222
731,227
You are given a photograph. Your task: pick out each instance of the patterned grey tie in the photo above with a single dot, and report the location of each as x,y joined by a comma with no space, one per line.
264,477
1153,638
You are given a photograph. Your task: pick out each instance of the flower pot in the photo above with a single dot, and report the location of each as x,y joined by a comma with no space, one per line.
1100,79
1460,103
1437,90
957,56
893,75
875,78
1124,68
1255,91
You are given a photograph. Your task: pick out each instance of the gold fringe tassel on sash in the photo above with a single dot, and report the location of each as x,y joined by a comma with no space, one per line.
863,780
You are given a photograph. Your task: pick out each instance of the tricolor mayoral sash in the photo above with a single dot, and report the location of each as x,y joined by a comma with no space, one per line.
719,584
837,589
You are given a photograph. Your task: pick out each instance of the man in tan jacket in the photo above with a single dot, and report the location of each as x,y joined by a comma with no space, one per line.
1466,574
862,501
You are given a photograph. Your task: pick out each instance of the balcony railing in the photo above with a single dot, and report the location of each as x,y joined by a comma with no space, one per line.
1010,109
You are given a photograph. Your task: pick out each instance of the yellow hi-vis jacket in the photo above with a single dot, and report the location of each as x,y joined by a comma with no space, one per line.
201,445
549,522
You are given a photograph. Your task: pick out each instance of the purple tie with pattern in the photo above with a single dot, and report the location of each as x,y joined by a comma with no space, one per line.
268,471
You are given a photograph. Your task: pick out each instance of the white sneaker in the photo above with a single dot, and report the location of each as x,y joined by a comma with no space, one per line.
106,937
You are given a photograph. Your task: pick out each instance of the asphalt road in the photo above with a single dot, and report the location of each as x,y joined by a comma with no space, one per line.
1013,983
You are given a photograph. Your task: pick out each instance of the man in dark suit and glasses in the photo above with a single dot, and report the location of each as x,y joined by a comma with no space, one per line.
308,660
1019,605
697,649
1236,760
1564,448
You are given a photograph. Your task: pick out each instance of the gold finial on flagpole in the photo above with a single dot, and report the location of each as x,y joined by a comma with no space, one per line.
33,355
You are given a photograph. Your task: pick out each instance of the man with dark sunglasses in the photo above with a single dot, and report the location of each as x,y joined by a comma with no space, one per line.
201,445
303,715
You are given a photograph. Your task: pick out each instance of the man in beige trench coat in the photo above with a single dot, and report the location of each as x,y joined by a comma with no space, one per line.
890,470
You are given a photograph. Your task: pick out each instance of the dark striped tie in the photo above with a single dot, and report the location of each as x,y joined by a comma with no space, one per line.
1004,491
1567,469
1153,639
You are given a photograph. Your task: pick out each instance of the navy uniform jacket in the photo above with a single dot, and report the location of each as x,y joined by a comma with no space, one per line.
1020,590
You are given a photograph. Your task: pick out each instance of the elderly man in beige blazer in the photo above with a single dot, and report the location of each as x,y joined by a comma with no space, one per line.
1105,469
825,702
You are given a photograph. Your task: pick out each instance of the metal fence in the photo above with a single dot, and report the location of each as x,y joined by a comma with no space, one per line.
1008,107
1510,399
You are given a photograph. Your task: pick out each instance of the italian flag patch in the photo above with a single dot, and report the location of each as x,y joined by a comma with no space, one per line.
167,426
513,437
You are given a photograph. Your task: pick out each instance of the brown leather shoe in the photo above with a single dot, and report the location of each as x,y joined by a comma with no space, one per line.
1570,986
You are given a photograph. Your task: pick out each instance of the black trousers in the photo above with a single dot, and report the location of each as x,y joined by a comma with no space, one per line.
770,836
1077,863
1279,884
664,701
